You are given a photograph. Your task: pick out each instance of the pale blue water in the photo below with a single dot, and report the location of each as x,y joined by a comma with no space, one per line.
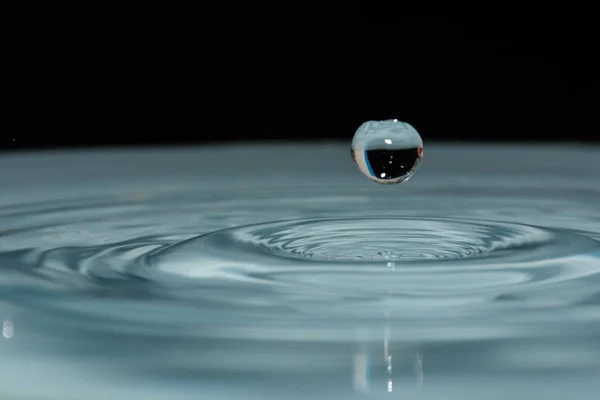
279,272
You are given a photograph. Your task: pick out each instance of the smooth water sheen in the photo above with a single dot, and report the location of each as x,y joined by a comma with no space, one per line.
275,272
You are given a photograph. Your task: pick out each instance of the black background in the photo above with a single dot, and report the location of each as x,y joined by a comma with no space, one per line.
116,76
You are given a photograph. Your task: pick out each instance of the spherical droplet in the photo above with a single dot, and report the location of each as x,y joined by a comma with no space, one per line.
387,151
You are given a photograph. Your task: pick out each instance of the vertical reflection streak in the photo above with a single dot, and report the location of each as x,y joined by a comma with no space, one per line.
7,329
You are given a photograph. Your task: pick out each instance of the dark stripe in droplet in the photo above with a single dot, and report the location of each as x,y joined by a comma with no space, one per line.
392,164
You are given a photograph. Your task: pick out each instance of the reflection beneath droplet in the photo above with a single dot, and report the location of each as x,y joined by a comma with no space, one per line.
7,329
401,371
361,369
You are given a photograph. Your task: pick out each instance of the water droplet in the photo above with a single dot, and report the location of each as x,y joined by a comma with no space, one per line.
387,151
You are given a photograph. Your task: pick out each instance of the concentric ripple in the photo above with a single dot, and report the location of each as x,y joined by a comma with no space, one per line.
364,240
419,262
339,269
403,239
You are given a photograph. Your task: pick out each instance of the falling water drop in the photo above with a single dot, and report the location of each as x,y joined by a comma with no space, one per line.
387,151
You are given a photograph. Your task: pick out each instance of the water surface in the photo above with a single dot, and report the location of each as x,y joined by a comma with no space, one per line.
279,271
